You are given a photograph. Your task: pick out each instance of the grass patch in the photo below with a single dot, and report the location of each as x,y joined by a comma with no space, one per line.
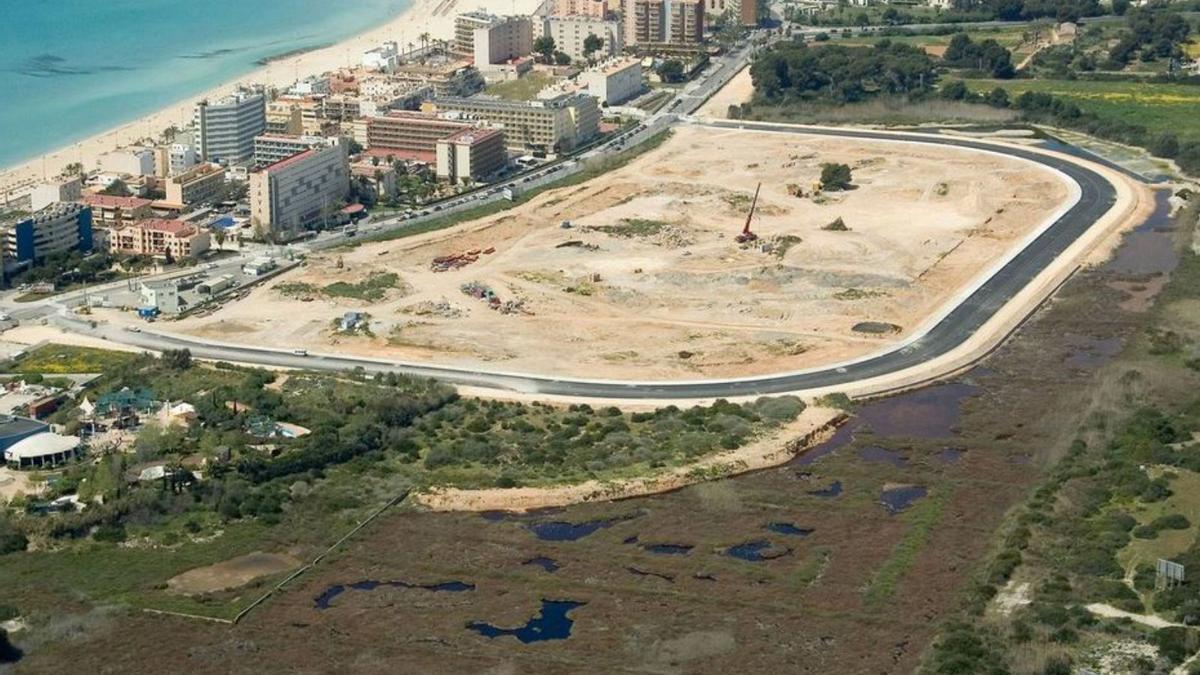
522,89
921,521
373,288
61,359
1159,108
633,227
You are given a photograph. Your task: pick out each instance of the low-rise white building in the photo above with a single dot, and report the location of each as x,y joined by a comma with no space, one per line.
614,82
133,161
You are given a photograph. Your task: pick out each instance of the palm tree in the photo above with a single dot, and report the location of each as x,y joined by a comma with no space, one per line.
424,38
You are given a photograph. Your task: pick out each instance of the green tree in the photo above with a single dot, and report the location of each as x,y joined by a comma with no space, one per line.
835,177
117,188
545,47
671,70
591,44
562,59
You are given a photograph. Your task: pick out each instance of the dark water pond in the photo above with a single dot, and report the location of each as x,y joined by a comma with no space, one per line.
552,623
1149,249
669,549
756,551
547,564
325,599
790,529
897,499
950,455
559,530
932,412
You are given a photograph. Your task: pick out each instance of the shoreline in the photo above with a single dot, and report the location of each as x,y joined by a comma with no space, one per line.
435,17
814,425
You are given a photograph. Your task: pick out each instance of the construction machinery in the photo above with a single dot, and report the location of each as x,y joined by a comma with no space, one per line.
746,235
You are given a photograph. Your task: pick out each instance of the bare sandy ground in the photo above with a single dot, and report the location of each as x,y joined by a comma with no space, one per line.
739,90
682,299
435,17
811,427
231,573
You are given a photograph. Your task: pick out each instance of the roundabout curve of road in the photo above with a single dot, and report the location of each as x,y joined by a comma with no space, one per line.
1096,196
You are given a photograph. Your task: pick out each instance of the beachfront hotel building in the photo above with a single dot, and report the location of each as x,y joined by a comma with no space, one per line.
298,193
471,155
615,81
198,185
56,228
558,123
569,33
225,129
464,31
404,135
666,22
156,236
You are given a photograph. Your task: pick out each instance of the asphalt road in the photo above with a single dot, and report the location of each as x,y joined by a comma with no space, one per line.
1097,196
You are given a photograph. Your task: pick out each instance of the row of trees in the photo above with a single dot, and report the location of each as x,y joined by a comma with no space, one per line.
840,74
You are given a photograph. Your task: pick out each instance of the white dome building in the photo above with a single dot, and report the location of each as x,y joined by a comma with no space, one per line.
41,450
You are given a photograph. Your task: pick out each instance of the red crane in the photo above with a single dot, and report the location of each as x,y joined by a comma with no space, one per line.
746,235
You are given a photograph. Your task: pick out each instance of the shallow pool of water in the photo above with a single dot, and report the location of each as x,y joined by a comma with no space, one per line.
547,564
756,551
560,530
325,599
551,623
789,529
950,455
899,498
669,549
932,412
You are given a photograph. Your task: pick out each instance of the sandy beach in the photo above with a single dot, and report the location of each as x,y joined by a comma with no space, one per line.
435,17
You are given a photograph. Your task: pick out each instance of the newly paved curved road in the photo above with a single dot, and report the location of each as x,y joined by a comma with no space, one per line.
1097,196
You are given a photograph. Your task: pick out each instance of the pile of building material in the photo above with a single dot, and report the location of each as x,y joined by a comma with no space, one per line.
484,292
456,261
441,308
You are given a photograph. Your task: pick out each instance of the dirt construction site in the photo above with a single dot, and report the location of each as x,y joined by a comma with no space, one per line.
639,274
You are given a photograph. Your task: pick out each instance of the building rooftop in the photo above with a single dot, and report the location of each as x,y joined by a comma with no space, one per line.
473,135
40,445
115,201
11,425
175,227
288,161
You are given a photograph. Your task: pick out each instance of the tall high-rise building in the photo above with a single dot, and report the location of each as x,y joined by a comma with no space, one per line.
298,193
675,22
225,129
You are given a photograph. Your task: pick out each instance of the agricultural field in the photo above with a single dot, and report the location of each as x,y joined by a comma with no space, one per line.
1160,108
639,274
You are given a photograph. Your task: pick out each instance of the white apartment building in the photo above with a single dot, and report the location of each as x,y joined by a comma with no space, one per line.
135,161
569,33
180,158
62,189
298,193
615,81
225,129
502,40
382,58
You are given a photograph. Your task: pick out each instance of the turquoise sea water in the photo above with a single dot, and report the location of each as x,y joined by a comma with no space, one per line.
70,69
